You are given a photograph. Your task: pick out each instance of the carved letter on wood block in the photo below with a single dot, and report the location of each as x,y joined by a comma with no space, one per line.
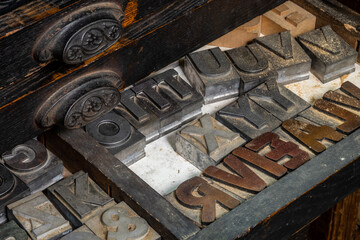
247,117
79,198
82,233
11,190
119,137
286,56
138,115
12,231
252,65
39,217
331,56
121,222
34,165
351,89
278,100
310,134
206,141
212,74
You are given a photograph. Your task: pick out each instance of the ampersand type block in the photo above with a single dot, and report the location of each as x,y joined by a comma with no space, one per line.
12,231
82,233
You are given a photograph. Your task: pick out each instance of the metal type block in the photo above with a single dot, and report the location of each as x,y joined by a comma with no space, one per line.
138,115
286,56
79,198
39,217
206,141
11,190
82,233
12,231
212,74
37,167
119,137
278,100
331,56
247,118
171,85
121,222
165,108
351,89
252,65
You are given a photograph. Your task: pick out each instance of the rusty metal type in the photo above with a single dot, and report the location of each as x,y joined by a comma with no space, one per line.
351,89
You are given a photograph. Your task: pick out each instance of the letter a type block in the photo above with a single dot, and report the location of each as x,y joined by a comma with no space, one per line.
206,141
12,231
39,217
79,198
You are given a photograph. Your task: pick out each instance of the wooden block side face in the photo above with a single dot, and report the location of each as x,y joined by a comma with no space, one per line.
121,222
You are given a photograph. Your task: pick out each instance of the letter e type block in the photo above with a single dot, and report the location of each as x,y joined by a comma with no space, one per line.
12,231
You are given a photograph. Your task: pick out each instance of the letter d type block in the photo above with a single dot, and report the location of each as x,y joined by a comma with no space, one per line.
206,141
12,231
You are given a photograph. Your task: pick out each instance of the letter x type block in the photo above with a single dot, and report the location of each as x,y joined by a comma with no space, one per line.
79,198
82,233
206,141
12,231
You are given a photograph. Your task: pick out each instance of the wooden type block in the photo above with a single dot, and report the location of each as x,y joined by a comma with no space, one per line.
119,137
82,233
288,16
212,74
39,217
11,190
252,65
37,167
12,231
79,198
121,222
278,100
247,118
206,141
331,56
286,56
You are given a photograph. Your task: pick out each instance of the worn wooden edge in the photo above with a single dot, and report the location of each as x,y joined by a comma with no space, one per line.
296,199
79,151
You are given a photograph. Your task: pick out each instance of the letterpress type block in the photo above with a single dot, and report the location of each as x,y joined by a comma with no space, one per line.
331,56
247,118
121,222
119,137
37,167
39,217
278,100
79,198
11,190
252,65
138,115
12,231
82,233
286,56
206,141
171,85
212,74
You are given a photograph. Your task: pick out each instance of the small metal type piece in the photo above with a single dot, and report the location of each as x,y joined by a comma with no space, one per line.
138,115
331,56
280,149
247,118
121,222
37,167
39,217
12,231
310,134
278,100
206,141
252,65
119,137
11,190
212,74
286,56
351,89
206,198
82,233
79,198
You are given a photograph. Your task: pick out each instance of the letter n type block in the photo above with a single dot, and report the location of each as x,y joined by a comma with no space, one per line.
331,56
206,141
79,198
39,217
12,231
82,233
286,56
121,222
212,74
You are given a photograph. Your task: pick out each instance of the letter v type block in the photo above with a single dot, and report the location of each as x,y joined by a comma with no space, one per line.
79,198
